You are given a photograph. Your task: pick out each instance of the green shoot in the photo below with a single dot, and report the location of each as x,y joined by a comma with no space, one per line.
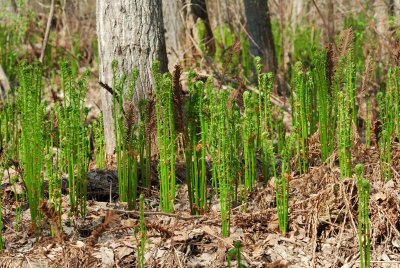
32,137
363,190
166,138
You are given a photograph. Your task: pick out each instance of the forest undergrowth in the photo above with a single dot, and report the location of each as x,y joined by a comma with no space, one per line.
212,169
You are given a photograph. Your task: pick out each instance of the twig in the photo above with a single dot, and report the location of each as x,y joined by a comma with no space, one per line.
109,89
322,18
47,33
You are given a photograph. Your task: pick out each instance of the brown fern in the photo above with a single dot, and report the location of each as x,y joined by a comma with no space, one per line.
178,99
53,219
108,220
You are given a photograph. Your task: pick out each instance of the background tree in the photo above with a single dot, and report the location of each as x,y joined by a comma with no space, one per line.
181,33
251,17
130,32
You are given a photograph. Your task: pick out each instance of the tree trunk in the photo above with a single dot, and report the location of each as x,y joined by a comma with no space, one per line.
251,17
181,37
175,32
258,25
130,32
382,26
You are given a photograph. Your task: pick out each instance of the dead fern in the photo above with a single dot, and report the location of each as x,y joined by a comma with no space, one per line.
53,219
178,99
108,220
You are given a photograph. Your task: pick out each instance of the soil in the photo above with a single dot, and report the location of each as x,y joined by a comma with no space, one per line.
322,225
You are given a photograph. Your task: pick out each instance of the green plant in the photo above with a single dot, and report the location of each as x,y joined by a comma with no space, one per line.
196,138
166,137
246,56
142,231
324,102
201,33
234,254
53,170
266,124
249,141
301,110
363,190
99,143
126,135
282,187
222,163
344,135
388,104
32,137
74,140
144,143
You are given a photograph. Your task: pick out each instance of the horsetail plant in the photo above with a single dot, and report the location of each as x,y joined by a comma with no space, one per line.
301,129
144,143
320,79
344,135
363,190
266,127
249,141
223,165
211,109
32,137
74,140
195,139
142,230
99,143
125,128
53,171
166,137
282,187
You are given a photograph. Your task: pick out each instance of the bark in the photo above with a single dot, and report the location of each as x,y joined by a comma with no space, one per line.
130,32
175,37
181,38
258,25
382,26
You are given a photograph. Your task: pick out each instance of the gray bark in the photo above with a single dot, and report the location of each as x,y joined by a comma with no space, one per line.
382,26
175,32
181,37
130,32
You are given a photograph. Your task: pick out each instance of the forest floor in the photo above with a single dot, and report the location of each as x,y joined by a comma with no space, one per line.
322,226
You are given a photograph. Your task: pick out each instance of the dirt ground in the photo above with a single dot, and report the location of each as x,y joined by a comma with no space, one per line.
322,226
